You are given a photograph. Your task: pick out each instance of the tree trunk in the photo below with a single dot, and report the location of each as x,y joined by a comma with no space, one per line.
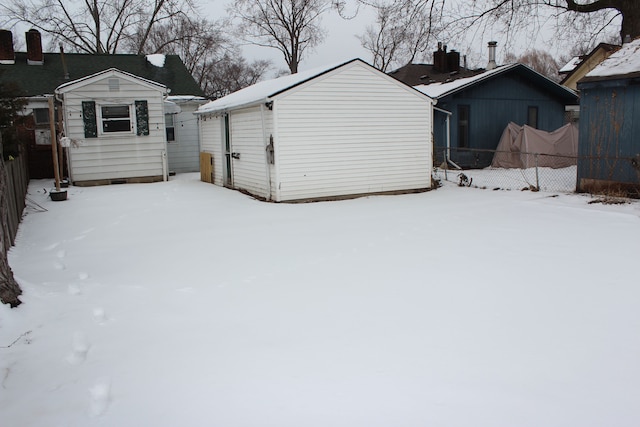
630,19
9,288
629,9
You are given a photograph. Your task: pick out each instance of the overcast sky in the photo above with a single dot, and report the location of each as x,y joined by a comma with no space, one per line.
342,43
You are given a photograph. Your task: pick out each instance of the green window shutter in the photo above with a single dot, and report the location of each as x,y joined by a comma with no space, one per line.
142,118
89,119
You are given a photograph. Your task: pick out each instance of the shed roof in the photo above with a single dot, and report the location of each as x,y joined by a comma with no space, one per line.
111,71
38,80
262,91
441,90
624,63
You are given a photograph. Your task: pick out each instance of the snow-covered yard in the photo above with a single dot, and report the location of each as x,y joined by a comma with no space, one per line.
546,179
186,304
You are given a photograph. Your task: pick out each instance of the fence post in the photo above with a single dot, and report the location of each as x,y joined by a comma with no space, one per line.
446,165
537,177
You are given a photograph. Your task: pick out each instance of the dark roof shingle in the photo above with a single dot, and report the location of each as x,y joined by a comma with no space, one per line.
38,80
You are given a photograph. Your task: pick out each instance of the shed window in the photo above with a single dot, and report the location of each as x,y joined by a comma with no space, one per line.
116,118
170,126
532,117
41,116
463,126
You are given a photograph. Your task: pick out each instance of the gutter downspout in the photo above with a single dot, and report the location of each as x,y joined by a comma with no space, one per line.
165,165
448,152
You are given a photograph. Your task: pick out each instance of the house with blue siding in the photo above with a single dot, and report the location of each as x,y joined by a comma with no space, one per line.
472,112
609,148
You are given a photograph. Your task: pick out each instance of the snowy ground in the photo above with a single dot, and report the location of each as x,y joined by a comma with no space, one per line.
183,303
546,179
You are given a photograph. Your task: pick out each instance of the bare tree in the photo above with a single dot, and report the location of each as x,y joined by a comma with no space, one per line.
539,60
212,58
403,32
562,22
629,10
233,73
290,26
96,26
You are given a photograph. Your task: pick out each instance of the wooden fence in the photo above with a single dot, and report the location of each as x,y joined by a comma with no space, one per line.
17,183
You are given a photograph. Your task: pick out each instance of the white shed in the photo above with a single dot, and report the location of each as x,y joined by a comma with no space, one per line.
183,140
334,132
117,124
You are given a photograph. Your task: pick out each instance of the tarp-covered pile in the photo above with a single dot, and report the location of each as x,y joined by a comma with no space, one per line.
526,147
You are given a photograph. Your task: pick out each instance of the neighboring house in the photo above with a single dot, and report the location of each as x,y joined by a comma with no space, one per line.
39,74
117,124
472,112
609,145
446,67
579,66
183,142
327,133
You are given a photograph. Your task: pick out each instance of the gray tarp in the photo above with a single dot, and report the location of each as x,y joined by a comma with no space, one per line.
519,145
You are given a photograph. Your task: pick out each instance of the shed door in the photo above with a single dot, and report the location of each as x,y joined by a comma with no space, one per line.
228,173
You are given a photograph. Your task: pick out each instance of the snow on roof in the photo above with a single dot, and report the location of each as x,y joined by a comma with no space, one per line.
624,61
261,91
156,59
571,65
437,90
185,98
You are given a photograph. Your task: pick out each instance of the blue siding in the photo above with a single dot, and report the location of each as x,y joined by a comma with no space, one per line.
493,104
609,129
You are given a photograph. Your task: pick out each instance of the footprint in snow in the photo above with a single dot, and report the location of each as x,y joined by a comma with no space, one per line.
73,289
83,276
51,246
99,315
59,266
80,348
99,395
61,253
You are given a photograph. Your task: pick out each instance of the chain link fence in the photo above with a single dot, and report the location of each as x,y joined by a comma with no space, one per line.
506,170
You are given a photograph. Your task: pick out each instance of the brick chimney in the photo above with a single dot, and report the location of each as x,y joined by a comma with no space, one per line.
492,56
34,47
440,59
453,61
7,54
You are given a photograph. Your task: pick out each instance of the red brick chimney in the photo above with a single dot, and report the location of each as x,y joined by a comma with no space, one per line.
7,54
34,47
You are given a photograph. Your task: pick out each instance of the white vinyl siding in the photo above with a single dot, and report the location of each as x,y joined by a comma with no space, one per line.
183,153
211,134
117,155
248,140
352,132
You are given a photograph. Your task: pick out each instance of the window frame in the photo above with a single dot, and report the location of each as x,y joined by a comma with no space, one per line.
532,109
171,117
35,116
464,126
102,120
